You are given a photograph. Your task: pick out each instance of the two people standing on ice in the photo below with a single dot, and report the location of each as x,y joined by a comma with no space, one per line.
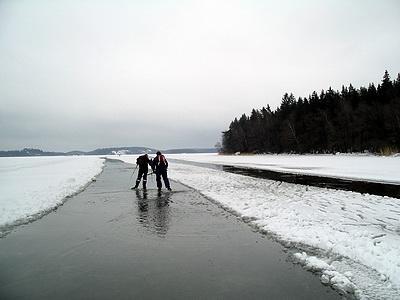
159,165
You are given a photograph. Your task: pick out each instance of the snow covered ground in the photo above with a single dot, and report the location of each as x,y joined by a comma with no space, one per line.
357,167
352,240
31,186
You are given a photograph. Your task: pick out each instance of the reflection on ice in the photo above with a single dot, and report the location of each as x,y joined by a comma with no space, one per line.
154,211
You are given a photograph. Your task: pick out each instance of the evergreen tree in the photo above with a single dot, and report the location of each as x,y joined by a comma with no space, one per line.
350,120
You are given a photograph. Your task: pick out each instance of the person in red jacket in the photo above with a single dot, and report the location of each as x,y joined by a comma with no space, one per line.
160,167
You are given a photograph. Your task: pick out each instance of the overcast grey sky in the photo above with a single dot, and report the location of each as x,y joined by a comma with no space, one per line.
164,74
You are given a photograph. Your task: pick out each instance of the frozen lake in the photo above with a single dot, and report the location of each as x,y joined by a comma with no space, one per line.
350,239
110,242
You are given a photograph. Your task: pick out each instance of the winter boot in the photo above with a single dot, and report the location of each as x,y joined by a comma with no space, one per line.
136,185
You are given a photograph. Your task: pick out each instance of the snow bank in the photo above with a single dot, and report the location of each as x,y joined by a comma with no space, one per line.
330,275
358,167
31,186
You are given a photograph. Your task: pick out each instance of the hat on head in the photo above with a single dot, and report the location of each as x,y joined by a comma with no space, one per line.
158,153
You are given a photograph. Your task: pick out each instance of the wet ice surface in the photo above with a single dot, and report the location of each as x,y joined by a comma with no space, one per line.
352,240
110,242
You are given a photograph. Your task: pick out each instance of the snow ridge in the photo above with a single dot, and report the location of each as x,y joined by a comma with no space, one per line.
33,186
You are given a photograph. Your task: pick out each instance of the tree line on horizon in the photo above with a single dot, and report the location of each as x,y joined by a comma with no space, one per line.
352,120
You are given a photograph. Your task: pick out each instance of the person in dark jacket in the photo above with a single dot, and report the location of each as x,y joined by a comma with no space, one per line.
160,167
142,162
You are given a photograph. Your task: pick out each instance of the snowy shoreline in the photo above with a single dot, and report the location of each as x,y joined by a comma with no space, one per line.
34,186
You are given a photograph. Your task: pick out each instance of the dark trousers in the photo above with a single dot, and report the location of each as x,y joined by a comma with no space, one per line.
142,172
163,174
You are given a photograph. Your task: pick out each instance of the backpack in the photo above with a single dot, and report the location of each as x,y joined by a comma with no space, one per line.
140,160
162,162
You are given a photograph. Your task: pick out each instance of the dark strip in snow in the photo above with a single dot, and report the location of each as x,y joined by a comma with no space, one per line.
364,187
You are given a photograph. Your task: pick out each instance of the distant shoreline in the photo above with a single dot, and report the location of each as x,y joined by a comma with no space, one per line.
31,152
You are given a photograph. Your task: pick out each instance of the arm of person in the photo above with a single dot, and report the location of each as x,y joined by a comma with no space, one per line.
152,164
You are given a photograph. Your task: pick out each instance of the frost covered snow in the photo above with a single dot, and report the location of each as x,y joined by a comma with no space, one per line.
357,167
31,186
329,275
352,240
